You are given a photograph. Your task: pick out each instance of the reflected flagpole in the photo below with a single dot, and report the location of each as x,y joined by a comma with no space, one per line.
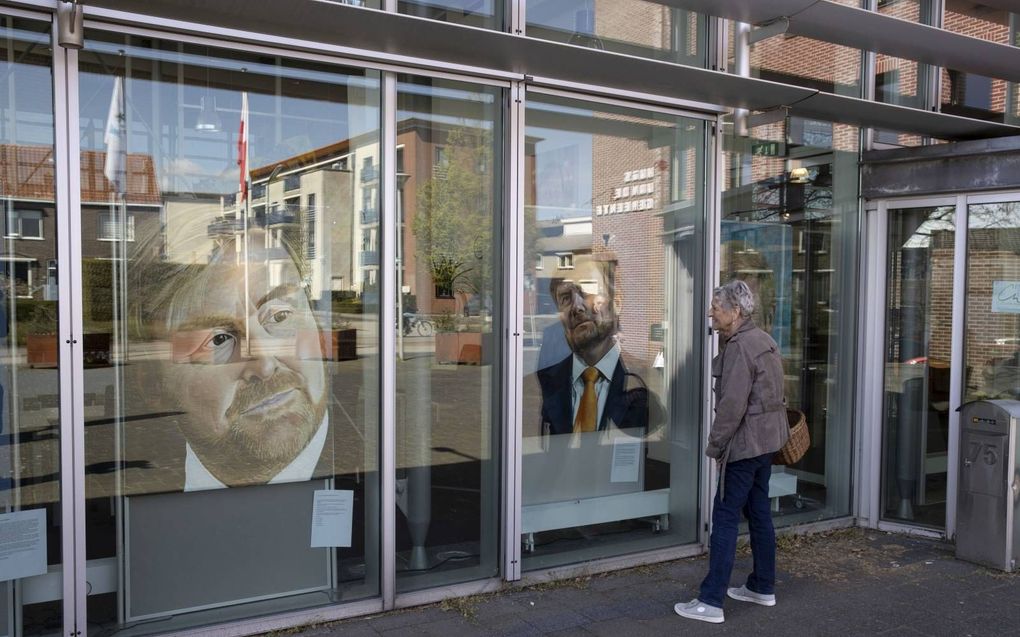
115,171
244,206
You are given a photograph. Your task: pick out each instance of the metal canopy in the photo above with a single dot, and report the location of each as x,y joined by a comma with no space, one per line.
387,37
862,29
981,165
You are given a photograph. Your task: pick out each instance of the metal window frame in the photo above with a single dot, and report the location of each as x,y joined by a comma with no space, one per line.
388,344
713,179
710,347
956,379
514,344
71,364
871,392
298,54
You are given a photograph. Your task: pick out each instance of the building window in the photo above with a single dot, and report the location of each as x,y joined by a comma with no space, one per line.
441,162
565,261
109,228
25,224
309,219
538,261
291,182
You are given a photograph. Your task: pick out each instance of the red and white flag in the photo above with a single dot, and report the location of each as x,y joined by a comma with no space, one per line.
242,148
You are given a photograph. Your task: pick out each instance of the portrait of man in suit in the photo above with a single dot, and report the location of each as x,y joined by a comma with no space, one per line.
590,389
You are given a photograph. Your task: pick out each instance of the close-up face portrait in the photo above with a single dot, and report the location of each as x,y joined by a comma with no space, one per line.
247,368
585,302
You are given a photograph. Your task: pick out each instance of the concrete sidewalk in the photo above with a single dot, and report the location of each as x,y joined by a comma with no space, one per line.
850,582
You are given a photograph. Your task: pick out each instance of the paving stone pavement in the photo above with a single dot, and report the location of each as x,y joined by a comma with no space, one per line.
849,582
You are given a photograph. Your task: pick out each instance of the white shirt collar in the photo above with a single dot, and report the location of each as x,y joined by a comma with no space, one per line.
606,366
198,478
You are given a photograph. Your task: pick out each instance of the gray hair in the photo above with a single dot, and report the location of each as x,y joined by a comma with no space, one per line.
736,295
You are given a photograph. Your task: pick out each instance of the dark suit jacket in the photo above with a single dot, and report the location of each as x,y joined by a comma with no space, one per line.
627,404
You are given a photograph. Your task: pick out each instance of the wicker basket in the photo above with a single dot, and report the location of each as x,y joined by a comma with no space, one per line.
799,441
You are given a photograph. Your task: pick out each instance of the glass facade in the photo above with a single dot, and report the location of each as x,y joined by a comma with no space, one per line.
449,170
992,332
634,27
486,14
230,314
800,61
614,223
289,336
901,81
970,94
32,566
790,228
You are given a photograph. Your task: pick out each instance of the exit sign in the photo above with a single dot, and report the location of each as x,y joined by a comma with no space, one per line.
767,149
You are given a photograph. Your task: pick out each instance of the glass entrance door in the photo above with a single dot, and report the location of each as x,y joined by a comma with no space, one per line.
947,272
919,265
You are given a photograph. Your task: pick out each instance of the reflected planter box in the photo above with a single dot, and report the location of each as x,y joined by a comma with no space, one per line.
42,350
459,348
338,345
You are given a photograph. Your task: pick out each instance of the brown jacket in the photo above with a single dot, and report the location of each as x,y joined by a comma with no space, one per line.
750,413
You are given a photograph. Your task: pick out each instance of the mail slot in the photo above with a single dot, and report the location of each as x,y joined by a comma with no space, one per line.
986,529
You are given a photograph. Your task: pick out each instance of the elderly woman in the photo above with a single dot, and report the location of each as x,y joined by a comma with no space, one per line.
750,426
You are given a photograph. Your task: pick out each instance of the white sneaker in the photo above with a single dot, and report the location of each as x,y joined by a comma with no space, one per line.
695,609
745,594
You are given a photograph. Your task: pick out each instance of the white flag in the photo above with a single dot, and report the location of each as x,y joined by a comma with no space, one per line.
115,168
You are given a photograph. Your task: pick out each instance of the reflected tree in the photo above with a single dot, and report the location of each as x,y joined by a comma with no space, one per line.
453,226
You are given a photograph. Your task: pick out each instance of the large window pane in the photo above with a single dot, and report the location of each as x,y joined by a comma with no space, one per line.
918,347
789,229
449,168
973,95
802,61
897,80
231,332
31,572
487,14
635,27
613,328
992,337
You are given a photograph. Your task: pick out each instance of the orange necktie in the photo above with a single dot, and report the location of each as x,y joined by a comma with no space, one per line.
588,410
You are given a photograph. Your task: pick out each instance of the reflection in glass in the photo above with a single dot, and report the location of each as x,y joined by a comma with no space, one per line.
635,27
992,336
918,344
613,224
801,61
486,14
30,579
789,229
233,392
897,80
970,94
449,145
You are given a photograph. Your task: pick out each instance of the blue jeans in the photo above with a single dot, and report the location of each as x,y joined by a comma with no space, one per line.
747,491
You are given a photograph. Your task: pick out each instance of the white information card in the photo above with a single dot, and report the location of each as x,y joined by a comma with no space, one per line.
22,544
626,460
1006,297
332,517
